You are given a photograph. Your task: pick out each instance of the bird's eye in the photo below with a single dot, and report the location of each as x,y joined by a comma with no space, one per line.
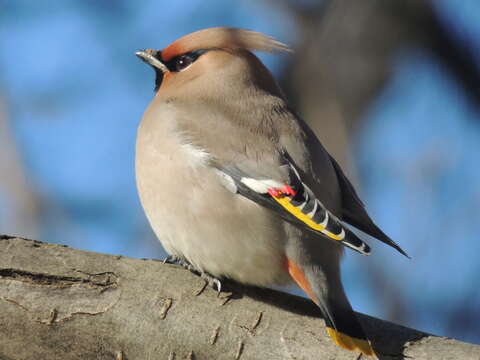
183,61
175,64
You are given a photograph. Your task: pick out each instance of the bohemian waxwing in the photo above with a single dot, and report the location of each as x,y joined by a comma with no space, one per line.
236,185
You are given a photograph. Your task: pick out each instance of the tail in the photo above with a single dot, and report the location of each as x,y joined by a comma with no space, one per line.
342,324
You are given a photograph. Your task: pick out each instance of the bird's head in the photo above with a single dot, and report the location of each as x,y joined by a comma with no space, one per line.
214,56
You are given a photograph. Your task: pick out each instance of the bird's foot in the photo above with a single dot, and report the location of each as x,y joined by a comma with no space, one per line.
176,260
210,280
171,259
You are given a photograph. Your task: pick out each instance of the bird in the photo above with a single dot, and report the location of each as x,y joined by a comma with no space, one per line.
237,186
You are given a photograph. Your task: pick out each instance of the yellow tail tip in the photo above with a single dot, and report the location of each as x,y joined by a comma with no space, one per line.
351,343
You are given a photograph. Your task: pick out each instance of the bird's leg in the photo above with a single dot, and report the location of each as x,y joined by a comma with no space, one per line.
211,280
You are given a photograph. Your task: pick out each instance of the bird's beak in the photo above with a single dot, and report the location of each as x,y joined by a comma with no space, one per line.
148,57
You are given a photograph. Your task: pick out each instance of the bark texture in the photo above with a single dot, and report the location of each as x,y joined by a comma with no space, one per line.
61,303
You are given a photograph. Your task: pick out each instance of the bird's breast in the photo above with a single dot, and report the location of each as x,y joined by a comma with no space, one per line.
197,217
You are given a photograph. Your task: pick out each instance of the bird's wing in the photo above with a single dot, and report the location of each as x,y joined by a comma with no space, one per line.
354,213
328,177
291,199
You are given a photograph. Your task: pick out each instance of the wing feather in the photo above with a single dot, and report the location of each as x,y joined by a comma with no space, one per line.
297,205
353,211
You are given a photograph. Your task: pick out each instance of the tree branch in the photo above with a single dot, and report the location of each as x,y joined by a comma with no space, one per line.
61,303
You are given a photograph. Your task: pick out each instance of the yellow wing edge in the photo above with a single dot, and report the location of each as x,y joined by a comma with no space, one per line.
295,211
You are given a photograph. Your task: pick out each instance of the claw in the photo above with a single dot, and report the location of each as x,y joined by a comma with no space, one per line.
218,283
212,281
171,259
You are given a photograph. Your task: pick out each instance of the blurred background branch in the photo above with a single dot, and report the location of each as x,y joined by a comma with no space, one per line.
345,56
